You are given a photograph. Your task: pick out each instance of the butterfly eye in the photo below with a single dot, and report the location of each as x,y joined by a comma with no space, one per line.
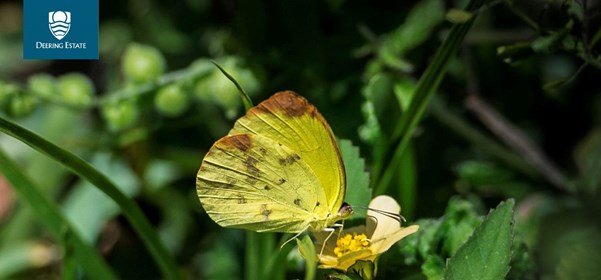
345,211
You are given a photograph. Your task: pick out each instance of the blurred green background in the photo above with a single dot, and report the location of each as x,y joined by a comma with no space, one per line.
517,115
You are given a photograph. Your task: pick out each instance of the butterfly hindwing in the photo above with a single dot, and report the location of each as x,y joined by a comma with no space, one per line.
279,169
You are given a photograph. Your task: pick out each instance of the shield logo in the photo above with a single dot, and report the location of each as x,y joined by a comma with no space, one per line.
59,23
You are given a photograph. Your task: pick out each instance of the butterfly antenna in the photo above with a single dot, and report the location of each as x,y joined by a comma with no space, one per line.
398,217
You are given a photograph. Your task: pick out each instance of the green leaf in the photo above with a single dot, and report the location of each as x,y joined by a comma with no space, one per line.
461,218
404,90
487,253
82,168
88,208
357,180
433,267
420,22
426,87
552,42
458,16
515,52
307,250
482,172
588,160
54,220
421,244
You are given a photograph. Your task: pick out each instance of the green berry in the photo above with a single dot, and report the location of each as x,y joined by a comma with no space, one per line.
171,100
42,85
76,90
7,91
21,105
121,114
142,63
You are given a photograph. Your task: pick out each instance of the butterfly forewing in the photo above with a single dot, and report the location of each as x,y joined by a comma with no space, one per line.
291,120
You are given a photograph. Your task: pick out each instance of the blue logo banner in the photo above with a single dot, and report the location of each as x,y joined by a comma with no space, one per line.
60,29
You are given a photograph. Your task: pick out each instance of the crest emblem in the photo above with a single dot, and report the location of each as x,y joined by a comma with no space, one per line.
59,23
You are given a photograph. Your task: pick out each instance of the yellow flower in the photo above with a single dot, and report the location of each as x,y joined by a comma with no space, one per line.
365,242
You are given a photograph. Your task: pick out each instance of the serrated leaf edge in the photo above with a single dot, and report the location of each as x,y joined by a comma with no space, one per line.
479,228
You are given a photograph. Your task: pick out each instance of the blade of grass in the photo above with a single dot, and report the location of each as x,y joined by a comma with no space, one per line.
54,220
80,167
248,103
408,187
425,89
261,254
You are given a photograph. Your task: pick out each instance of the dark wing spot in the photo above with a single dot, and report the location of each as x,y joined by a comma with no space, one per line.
241,142
281,181
241,199
263,151
297,201
224,185
231,181
317,204
266,187
265,212
289,159
250,180
251,166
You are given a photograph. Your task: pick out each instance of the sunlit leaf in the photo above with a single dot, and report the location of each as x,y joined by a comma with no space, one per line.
487,253
357,179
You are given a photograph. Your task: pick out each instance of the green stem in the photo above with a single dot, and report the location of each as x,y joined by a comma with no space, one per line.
58,225
252,261
185,74
80,167
408,186
425,89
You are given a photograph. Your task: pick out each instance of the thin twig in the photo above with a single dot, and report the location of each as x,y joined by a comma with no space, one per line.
516,140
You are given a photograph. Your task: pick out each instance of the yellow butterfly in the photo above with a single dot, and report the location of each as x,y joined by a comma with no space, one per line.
278,170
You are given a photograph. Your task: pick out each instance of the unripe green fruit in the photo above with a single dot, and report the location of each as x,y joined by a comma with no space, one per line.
43,85
6,92
120,114
76,90
171,100
142,63
21,105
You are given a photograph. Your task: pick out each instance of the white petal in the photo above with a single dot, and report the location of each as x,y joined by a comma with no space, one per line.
382,225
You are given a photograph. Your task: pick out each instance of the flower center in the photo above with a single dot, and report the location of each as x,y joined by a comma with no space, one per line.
351,243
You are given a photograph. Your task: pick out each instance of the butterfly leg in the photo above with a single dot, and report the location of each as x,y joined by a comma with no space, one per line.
294,237
331,229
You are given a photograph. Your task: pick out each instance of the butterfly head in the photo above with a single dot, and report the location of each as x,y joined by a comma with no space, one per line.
345,211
